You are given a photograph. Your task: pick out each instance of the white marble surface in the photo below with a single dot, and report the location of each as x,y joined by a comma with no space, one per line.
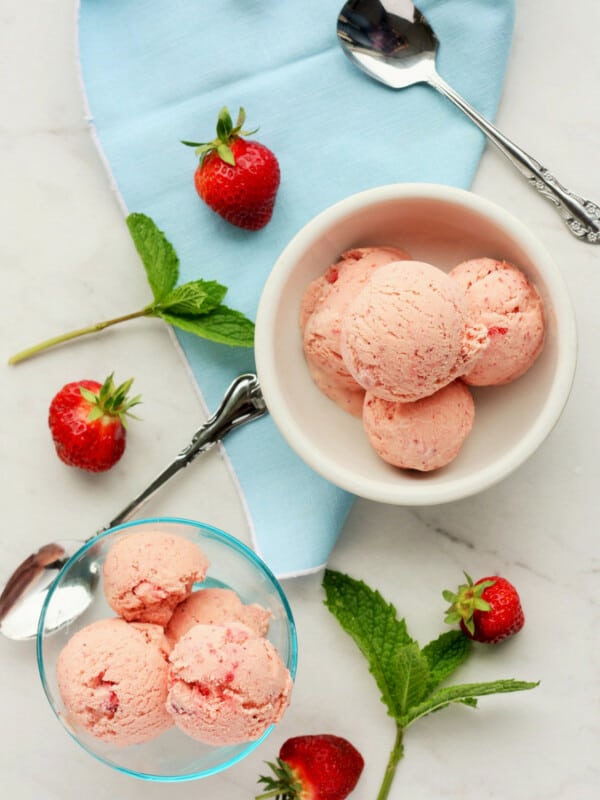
64,248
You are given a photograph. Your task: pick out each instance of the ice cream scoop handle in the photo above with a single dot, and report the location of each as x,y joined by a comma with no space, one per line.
242,403
582,217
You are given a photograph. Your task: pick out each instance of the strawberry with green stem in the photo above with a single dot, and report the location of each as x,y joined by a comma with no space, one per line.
237,177
488,610
196,307
88,422
313,767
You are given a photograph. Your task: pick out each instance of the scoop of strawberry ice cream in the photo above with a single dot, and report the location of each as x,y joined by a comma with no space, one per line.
424,435
344,391
322,309
408,333
112,677
216,606
226,684
500,297
353,265
147,574
155,636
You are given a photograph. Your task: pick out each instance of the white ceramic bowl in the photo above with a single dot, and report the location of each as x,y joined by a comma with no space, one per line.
444,226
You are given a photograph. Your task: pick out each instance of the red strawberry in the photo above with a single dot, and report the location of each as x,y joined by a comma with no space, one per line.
88,421
488,610
236,177
315,767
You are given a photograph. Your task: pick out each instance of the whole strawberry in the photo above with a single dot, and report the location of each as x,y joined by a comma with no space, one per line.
88,421
313,767
488,610
238,178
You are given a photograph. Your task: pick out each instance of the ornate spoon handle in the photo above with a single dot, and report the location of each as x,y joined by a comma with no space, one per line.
582,217
242,403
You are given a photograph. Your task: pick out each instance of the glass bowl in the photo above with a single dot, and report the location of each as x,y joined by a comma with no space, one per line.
173,756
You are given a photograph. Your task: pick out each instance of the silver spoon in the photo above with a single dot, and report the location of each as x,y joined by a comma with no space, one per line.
23,596
392,42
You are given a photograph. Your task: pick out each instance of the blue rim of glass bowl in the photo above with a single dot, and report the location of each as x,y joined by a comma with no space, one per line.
235,544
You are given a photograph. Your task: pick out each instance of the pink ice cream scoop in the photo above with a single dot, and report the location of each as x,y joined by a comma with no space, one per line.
147,574
500,297
323,306
216,606
344,391
112,677
226,684
424,435
408,333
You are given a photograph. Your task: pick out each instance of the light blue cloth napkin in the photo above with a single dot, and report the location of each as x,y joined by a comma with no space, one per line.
155,72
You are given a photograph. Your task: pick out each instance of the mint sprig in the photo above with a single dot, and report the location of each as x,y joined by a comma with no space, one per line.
408,676
196,307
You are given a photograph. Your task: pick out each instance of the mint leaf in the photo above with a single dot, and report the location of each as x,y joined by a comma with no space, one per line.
464,693
157,253
195,297
374,625
222,325
406,675
195,306
413,678
445,654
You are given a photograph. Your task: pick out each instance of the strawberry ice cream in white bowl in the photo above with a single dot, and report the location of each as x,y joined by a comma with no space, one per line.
137,680
457,293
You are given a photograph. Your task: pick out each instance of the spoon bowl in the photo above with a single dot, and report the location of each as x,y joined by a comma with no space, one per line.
392,42
27,588
396,49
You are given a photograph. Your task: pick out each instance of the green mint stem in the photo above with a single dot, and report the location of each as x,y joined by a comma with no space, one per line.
99,326
390,771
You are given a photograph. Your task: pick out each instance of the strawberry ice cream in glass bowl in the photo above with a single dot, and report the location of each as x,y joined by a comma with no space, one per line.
185,659
415,343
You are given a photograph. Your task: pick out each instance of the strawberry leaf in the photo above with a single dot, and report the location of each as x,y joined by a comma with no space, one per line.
223,325
224,124
192,144
195,297
157,253
95,413
226,154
